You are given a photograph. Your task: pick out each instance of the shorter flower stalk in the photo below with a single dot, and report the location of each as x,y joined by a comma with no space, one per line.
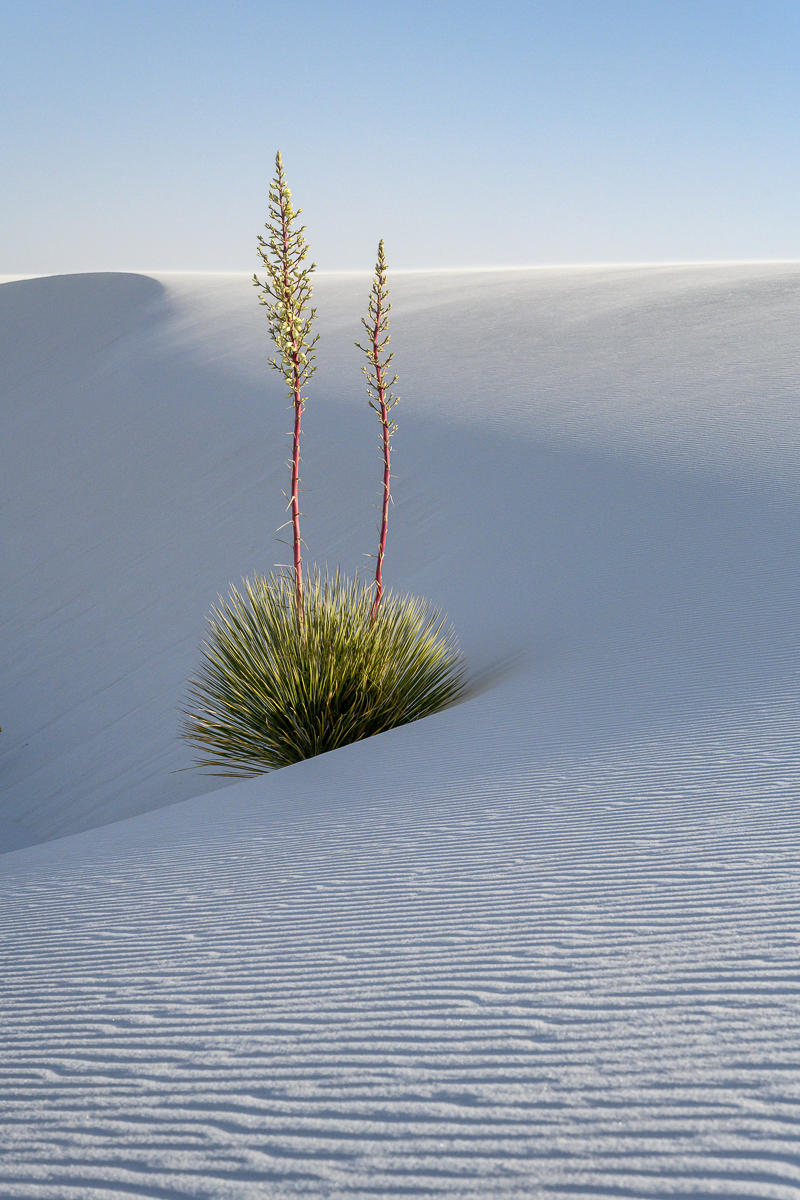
381,398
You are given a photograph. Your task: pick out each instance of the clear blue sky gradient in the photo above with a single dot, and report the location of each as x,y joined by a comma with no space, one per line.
141,135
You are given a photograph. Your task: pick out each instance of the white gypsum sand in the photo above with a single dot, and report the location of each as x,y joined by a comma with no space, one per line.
542,944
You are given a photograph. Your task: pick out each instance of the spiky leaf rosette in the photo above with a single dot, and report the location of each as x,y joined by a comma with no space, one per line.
270,693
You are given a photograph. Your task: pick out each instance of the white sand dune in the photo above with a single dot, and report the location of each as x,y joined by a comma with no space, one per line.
544,944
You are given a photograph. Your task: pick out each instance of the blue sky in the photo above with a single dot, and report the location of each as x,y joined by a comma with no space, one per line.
139,135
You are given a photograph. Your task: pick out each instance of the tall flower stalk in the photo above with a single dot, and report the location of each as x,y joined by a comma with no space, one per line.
286,294
381,397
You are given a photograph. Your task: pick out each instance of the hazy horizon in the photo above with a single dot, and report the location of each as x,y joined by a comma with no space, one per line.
451,270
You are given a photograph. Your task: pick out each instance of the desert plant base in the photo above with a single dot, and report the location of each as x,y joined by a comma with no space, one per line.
272,692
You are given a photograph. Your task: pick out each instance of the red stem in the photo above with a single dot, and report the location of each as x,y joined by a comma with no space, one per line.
298,568
386,460
298,408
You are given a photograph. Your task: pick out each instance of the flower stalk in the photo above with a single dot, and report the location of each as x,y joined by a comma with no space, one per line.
381,398
286,294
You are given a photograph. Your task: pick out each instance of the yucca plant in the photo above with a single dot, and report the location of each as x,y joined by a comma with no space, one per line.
269,694
290,670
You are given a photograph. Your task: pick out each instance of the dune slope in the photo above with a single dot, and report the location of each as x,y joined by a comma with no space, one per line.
542,944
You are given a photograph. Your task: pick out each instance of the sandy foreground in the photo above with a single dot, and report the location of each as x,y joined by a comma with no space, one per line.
544,944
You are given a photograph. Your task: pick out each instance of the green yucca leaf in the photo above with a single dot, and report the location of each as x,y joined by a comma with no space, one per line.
269,693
